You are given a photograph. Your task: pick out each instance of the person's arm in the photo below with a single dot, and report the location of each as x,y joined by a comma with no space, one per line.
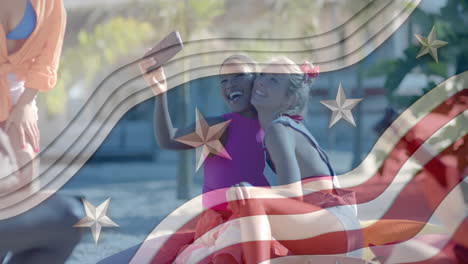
165,132
281,147
41,76
22,121
8,183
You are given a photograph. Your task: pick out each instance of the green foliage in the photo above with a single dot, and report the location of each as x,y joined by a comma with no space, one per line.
439,69
381,67
186,16
207,9
96,50
111,41
450,26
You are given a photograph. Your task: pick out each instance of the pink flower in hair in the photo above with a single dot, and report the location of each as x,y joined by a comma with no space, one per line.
309,70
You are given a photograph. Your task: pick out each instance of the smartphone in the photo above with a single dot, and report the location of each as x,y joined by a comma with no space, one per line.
165,50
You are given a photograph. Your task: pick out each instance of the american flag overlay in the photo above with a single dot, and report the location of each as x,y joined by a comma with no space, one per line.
234,131
431,173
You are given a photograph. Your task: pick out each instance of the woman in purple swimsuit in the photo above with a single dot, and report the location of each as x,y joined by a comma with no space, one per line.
237,74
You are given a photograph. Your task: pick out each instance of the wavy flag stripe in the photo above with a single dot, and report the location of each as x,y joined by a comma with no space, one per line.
388,210
186,216
452,252
430,248
373,229
112,98
367,210
411,167
405,218
422,248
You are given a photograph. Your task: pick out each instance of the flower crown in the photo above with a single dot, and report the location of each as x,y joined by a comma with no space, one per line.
310,71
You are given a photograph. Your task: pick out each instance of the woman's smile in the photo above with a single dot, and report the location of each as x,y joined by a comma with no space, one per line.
235,96
259,94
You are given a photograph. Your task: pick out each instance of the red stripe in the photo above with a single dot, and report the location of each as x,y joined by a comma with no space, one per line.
377,184
386,173
317,178
384,231
406,147
453,252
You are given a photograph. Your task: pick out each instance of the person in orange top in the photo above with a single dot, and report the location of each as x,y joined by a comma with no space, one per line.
31,37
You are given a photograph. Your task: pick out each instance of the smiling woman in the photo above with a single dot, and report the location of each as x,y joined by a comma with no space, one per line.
280,95
237,74
236,85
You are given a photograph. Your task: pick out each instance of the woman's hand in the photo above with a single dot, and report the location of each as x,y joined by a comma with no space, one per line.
239,192
156,78
242,191
22,125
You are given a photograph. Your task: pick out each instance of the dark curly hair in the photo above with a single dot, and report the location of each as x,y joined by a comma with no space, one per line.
244,59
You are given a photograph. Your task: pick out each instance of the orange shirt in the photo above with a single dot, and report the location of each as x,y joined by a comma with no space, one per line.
37,61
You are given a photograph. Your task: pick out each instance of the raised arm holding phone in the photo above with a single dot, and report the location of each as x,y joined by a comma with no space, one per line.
237,74
154,75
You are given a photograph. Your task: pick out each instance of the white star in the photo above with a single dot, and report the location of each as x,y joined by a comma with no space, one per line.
341,107
430,44
96,218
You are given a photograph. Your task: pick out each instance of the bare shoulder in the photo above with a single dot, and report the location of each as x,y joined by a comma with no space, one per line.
278,135
277,130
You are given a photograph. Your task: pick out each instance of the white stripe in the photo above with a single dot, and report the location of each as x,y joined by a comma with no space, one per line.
313,259
412,250
374,209
370,164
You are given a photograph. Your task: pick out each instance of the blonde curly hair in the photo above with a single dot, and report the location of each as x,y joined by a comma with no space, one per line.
300,84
